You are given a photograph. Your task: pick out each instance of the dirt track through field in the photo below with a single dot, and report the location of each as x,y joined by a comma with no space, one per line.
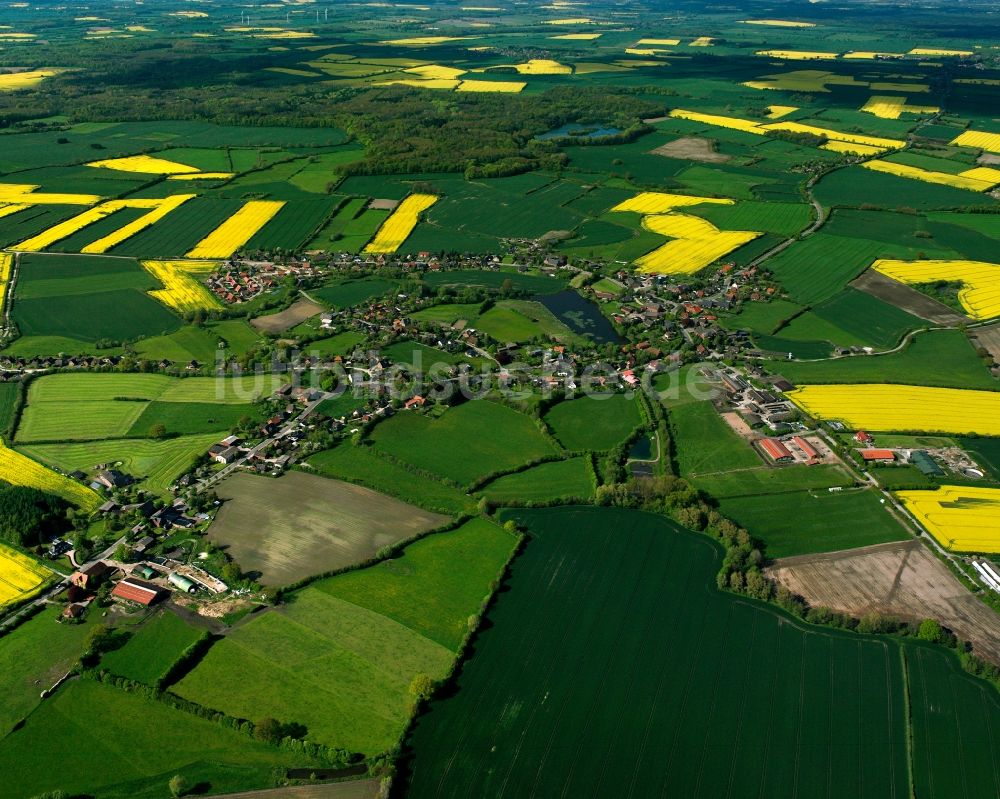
899,579
357,789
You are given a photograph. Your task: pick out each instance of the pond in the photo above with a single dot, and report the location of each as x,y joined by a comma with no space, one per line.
642,449
580,315
577,131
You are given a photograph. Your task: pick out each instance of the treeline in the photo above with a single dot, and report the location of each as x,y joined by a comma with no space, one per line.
28,515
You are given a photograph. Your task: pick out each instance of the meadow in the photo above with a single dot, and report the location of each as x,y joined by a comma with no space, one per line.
767,480
359,464
37,653
135,762
288,528
92,406
468,442
151,649
919,363
339,655
558,480
705,444
724,685
804,522
595,422
156,462
349,293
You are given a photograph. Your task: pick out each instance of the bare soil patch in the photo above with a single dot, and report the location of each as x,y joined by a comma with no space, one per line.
294,315
909,299
383,205
988,338
298,525
692,148
900,579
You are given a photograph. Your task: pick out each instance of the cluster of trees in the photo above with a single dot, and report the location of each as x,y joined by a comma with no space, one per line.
29,516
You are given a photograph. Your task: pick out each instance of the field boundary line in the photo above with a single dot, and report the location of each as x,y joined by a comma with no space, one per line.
908,715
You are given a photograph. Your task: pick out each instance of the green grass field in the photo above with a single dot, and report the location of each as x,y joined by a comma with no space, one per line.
157,462
348,293
767,480
520,321
135,763
93,406
361,465
468,442
569,479
705,444
922,362
8,403
152,649
33,657
187,418
593,422
88,299
702,693
339,655
804,522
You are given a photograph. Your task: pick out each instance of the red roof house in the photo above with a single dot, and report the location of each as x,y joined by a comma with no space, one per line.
878,454
133,590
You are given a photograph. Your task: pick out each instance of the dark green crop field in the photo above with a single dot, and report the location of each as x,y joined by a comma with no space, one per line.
679,690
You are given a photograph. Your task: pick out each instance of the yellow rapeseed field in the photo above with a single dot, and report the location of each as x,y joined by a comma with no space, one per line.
577,37
778,111
569,21
436,71
749,126
6,264
490,86
10,81
188,14
203,176
798,55
871,54
746,125
20,576
656,42
961,518
182,290
878,406
980,292
25,194
236,231
145,164
853,149
417,41
158,209
702,41
979,139
400,224
886,106
542,66
963,180
162,208
419,83
7,210
20,470
779,23
939,51
655,202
